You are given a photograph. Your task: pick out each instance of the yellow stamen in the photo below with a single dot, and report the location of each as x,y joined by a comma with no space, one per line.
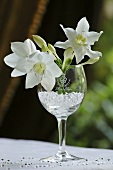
80,40
39,68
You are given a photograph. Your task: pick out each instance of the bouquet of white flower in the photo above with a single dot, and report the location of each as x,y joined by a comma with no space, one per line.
44,66
61,87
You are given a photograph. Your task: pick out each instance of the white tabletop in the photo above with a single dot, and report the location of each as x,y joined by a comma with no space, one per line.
25,154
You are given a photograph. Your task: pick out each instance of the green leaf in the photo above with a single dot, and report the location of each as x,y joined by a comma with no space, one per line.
39,41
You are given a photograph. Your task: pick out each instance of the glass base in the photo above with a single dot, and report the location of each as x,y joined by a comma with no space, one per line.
61,157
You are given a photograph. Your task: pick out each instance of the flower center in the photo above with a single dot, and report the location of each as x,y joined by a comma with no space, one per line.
39,68
80,40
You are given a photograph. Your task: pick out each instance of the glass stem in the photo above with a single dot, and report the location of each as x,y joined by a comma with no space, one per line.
62,133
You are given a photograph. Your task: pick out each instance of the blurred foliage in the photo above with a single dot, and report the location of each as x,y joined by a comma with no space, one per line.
92,125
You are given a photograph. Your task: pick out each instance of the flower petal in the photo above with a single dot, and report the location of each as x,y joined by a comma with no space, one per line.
12,60
32,80
70,32
16,73
79,52
47,57
54,69
63,45
25,65
90,61
20,48
31,46
83,26
36,56
48,82
93,54
92,37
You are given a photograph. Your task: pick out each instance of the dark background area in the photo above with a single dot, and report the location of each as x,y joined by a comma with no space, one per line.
25,117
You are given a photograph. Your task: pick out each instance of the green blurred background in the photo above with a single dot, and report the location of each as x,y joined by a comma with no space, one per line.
92,126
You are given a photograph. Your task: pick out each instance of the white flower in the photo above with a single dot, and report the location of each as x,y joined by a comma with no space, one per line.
22,52
80,40
44,70
40,68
